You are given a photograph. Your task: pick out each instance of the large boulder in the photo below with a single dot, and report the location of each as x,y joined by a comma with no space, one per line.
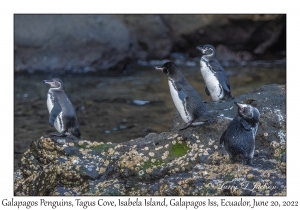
77,43
107,43
189,162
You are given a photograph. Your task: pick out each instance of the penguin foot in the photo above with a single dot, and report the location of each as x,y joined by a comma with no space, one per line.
247,161
233,160
228,97
72,137
186,126
250,162
216,102
219,101
222,101
59,134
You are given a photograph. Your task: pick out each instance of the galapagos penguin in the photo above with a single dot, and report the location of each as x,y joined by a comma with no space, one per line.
61,111
216,83
186,99
239,137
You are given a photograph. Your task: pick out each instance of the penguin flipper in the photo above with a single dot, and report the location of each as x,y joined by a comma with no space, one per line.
182,94
222,138
207,91
54,113
223,81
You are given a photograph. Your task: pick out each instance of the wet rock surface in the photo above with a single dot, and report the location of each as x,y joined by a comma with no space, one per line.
109,43
189,162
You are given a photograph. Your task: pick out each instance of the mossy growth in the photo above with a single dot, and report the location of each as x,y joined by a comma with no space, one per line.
189,165
93,190
278,158
106,191
113,192
229,176
207,191
149,163
83,146
178,149
102,147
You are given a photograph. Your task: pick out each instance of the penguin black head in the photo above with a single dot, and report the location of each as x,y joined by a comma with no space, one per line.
248,112
207,50
168,68
55,83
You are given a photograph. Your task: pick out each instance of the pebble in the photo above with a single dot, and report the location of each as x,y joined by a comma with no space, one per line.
140,102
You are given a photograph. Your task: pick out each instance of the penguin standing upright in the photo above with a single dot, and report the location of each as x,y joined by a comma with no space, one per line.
239,137
216,83
186,99
62,113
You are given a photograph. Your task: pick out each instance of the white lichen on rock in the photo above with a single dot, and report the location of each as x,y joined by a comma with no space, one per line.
282,136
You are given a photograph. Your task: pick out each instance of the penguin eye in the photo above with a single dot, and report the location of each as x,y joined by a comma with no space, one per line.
165,71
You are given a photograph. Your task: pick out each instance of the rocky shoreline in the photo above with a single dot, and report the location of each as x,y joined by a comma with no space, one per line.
189,162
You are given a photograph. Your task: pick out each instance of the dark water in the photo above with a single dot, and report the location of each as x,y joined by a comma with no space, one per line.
118,109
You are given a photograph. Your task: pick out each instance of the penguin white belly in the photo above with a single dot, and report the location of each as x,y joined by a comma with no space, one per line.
180,105
49,103
252,152
254,130
212,83
58,123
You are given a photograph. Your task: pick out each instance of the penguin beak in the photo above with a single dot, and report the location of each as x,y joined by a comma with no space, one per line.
240,106
200,48
48,81
159,68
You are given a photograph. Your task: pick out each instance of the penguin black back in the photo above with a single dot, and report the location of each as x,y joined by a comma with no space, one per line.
186,99
239,137
217,85
62,114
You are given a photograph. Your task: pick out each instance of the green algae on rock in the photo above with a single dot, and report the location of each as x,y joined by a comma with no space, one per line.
189,162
